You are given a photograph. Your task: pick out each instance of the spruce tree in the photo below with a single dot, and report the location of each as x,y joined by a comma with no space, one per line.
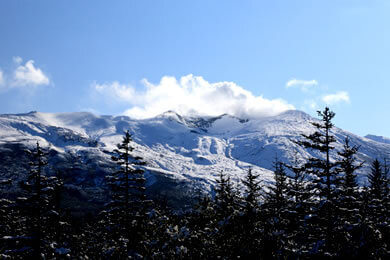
225,197
125,216
378,214
275,210
386,206
301,202
349,202
250,220
322,171
37,206
377,192
226,203
252,194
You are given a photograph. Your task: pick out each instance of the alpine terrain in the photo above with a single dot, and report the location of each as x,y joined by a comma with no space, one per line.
183,155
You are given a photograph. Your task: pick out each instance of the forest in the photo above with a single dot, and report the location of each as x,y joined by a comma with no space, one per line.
314,209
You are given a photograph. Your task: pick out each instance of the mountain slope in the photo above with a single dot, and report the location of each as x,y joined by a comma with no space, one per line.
190,151
380,139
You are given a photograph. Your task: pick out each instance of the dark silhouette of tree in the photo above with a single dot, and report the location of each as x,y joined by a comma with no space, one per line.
225,197
377,191
349,202
125,215
325,181
226,207
37,207
301,204
378,227
251,235
275,211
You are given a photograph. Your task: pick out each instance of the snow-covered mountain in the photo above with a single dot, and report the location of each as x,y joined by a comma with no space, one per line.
187,151
380,139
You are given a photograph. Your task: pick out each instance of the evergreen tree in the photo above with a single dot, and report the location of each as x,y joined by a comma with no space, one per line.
377,191
386,206
126,213
301,203
325,181
226,203
225,197
349,203
252,195
203,222
348,186
378,215
251,236
276,214
37,206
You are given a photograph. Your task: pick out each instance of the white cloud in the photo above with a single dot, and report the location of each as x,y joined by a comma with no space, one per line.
28,75
341,96
303,84
191,95
2,81
116,90
18,60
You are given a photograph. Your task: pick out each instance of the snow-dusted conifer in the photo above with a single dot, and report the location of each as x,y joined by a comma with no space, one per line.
251,235
275,211
324,175
377,192
301,204
349,202
37,206
126,213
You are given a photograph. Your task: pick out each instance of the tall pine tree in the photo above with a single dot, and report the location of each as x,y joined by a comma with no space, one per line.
301,202
276,214
377,192
38,206
349,202
251,236
226,203
378,214
126,213
324,175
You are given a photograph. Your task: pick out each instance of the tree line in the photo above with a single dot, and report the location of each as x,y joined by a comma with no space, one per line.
314,209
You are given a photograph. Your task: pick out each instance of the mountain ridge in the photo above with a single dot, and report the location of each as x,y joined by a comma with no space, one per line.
187,150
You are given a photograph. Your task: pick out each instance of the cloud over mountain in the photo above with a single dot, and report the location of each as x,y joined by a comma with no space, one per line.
191,95
341,96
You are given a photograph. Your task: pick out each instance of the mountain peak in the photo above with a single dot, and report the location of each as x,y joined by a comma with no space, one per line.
295,114
379,139
172,115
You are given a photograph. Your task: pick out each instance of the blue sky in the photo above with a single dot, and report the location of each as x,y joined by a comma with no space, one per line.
244,57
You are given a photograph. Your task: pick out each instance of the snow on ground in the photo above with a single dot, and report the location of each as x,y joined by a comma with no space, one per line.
196,149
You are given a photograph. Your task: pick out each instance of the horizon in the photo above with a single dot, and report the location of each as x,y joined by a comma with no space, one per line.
247,59
188,116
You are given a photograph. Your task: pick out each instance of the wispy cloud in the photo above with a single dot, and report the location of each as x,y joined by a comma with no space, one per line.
2,81
341,96
191,95
17,60
120,92
28,74
302,84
